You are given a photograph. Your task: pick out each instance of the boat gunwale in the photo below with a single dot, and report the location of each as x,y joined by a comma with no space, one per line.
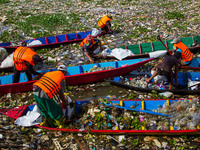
134,132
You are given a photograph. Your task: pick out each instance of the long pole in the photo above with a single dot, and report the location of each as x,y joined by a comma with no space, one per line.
158,37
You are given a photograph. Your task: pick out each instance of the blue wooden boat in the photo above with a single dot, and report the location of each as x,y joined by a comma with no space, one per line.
183,79
50,40
194,65
77,74
149,105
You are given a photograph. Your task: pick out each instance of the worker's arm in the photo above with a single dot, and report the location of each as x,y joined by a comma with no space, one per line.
30,69
108,24
154,68
63,100
86,53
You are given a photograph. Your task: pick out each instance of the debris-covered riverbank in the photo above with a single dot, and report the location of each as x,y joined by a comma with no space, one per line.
133,22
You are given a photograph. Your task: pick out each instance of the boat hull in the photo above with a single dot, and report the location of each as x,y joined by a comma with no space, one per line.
18,112
51,41
76,75
182,81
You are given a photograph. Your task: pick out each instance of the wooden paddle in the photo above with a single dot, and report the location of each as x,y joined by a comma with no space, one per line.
158,37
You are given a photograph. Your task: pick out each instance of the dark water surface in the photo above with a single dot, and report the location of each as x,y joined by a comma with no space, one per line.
99,90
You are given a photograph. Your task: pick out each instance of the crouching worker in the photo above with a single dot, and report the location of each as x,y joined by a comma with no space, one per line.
48,91
89,45
105,24
165,68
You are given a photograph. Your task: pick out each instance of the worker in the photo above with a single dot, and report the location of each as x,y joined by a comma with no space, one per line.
186,54
24,59
105,24
89,45
165,68
48,92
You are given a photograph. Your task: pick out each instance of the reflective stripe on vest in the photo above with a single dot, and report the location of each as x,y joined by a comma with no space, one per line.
102,22
186,53
22,54
87,43
50,82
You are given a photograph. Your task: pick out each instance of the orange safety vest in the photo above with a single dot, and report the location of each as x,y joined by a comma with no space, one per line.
22,54
89,45
186,53
50,82
102,22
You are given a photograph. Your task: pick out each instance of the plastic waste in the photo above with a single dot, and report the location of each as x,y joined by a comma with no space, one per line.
35,42
67,112
167,94
95,32
192,84
8,62
196,117
3,54
191,125
159,78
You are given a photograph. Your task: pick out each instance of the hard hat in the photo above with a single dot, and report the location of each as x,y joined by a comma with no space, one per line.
62,68
175,41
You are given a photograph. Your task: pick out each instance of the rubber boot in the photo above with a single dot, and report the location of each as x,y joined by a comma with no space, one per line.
60,122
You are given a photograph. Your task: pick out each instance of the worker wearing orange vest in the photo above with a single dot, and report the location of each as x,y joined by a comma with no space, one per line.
105,24
24,59
186,54
48,91
89,45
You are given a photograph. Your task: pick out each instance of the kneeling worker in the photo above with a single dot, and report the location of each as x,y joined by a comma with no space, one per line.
89,45
105,24
49,87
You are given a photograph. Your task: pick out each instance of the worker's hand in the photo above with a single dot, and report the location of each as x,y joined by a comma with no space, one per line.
92,61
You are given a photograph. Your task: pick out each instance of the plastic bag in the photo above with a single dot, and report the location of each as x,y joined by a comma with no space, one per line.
68,111
95,32
159,78
192,85
35,42
8,62
3,54
167,94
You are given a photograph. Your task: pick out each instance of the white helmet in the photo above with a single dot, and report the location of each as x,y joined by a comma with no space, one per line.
175,41
62,68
